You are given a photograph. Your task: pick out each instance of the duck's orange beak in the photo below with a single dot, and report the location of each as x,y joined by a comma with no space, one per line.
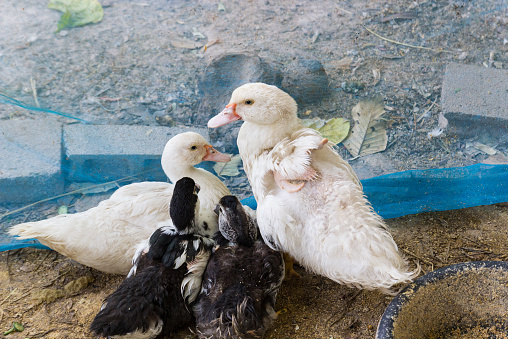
225,117
213,155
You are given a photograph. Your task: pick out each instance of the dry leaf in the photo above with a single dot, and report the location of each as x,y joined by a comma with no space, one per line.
377,76
496,159
369,134
484,148
229,169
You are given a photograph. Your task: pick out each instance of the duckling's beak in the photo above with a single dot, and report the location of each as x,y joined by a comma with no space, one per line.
197,188
217,209
213,155
225,117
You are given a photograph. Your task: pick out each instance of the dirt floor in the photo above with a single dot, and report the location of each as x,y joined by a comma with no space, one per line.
143,62
35,290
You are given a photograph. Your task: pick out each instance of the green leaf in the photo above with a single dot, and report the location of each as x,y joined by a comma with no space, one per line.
18,326
64,21
229,169
335,130
315,123
77,12
62,209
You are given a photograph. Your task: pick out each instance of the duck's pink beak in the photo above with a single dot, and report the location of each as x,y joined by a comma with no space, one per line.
225,117
213,155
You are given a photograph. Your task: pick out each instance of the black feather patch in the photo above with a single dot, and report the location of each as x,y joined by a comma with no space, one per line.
183,204
220,240
143,300
241,280
234,223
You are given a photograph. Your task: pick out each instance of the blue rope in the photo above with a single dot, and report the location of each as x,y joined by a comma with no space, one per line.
10,101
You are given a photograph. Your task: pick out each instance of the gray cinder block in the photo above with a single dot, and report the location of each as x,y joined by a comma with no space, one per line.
30,160
475,100
99,153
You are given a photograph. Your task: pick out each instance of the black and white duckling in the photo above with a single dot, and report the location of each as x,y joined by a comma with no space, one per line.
155,300
241,281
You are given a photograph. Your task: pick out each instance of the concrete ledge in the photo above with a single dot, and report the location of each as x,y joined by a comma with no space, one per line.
99,153
475,99
30,160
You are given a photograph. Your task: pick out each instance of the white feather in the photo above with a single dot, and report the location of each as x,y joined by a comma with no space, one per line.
191,284
153,331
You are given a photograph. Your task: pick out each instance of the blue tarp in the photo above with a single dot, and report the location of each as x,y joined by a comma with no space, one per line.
409,192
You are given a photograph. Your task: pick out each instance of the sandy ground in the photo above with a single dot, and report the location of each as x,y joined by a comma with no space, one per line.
311,306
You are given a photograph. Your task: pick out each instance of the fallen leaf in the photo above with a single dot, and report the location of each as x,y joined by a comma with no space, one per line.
63,209
229,169
64,21
315,123
496,159
77,12
335,130
399,16
369,134
377,76
484,148
185,43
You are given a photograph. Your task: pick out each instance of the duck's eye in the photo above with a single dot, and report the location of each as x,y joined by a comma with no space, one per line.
249,102
194,147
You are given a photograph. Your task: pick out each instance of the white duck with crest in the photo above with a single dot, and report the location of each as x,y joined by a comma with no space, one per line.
310,201
105,237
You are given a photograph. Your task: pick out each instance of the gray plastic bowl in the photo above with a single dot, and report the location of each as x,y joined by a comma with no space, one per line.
463,300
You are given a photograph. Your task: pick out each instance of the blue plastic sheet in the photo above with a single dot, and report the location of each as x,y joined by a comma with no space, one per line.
403,193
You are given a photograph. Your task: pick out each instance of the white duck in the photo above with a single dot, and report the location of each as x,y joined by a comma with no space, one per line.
106,237
310,201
